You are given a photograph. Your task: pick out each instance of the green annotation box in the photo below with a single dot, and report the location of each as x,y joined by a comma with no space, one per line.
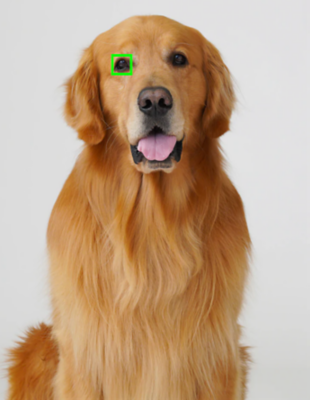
121,56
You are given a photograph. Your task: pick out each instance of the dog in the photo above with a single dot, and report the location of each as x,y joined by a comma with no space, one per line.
148,243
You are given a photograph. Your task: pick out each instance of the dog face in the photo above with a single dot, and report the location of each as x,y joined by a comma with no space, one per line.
180,90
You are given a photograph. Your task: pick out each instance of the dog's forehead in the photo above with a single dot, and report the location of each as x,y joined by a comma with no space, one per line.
138,33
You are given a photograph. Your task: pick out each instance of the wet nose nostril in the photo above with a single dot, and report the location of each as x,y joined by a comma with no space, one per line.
164,103
147,104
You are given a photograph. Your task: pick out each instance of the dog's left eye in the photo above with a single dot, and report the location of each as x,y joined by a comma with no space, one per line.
179,60
122,65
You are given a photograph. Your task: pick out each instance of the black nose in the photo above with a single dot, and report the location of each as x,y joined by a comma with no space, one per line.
155,101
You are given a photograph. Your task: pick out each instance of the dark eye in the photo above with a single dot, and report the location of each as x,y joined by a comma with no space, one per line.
122,65
179,60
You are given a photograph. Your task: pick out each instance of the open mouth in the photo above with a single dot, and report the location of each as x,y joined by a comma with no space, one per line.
157,149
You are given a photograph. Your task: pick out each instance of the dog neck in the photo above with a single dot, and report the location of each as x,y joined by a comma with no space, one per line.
120,194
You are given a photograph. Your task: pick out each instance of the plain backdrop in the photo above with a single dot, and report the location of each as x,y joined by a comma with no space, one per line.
264,44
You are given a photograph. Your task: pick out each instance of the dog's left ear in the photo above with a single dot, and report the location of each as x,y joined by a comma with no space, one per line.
220,98
83,110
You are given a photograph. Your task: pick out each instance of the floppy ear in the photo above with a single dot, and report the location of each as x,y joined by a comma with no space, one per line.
220,93
83,110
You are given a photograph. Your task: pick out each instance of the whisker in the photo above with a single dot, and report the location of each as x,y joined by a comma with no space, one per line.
113,141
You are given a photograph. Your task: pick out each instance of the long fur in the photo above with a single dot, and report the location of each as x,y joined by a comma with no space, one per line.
33,365
147,277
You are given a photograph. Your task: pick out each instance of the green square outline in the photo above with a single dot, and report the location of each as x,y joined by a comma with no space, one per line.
130,64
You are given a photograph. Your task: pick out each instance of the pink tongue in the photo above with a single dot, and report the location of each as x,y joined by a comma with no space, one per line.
157,146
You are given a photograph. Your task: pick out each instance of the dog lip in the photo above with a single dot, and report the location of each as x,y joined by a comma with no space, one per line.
176,153
156,129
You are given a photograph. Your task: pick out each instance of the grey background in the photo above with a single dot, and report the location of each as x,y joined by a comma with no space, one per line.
264,45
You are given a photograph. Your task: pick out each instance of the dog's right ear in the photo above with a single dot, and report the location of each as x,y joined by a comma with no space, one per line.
83,110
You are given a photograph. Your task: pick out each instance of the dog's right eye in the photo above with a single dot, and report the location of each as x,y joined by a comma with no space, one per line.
122,65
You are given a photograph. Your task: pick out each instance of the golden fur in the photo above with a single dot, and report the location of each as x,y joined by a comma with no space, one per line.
147,270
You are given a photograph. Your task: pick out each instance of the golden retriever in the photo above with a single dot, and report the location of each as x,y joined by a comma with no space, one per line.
148,242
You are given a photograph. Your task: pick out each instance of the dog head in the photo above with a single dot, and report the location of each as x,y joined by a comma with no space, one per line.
180,90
